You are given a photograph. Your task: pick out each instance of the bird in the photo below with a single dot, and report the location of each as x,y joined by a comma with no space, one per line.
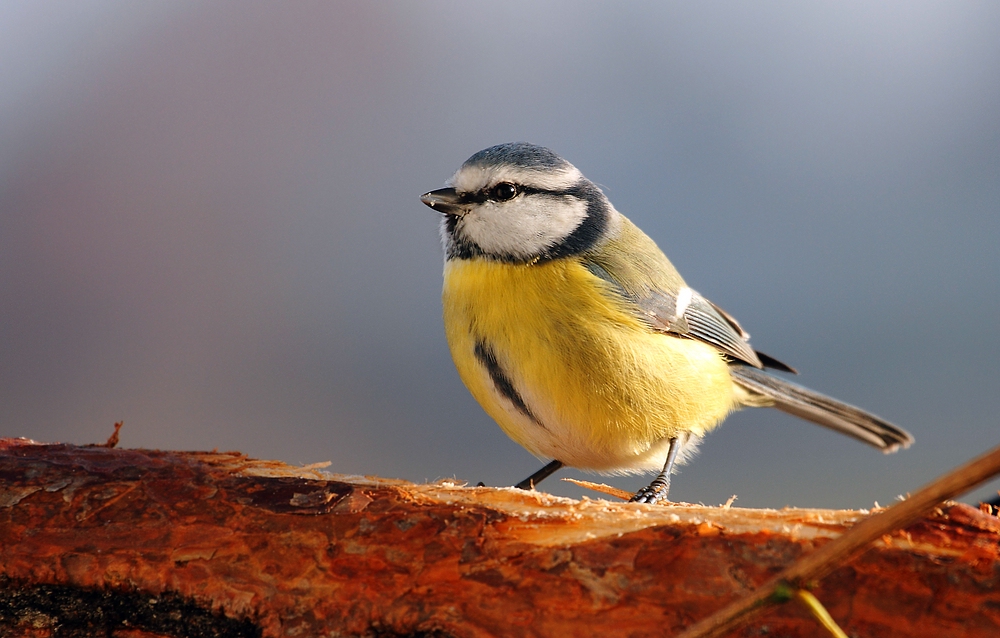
577,335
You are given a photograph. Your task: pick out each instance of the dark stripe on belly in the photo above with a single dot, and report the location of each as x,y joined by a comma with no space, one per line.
500,381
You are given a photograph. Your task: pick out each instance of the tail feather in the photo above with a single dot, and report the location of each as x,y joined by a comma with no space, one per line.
822,410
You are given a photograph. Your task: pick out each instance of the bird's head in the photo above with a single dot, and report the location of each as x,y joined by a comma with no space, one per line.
519,203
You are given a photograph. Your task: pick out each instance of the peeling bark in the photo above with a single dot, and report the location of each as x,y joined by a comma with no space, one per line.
140,544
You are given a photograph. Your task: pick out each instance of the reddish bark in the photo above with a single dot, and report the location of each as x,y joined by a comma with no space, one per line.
140,544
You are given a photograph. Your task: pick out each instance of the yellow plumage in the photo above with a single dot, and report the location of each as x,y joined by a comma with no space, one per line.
605,391
578,336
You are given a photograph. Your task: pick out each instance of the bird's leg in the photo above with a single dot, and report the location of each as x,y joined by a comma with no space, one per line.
539,476
657,490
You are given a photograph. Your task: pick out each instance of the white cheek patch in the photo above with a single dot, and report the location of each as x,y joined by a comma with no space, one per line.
525,226
470,179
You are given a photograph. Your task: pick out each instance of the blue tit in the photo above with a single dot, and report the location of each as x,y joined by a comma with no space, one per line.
574,331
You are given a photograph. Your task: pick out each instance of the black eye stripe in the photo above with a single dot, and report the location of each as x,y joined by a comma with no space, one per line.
588,233
486,194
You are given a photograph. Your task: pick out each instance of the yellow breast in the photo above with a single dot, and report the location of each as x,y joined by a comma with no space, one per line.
559,361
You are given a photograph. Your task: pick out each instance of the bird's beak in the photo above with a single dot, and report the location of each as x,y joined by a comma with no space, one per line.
444,200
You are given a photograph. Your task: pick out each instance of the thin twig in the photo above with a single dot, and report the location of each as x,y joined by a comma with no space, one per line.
845,547
820,613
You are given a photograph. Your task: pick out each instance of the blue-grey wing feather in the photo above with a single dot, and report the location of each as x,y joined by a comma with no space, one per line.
700,319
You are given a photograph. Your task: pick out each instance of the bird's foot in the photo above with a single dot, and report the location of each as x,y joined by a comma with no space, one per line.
653,493
536,478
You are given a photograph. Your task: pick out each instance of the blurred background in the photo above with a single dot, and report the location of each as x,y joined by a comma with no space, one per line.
210,225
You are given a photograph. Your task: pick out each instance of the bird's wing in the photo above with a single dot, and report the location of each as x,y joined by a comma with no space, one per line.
688,314
685,314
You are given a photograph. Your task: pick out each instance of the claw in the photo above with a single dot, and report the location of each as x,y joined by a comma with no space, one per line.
651,494
657,490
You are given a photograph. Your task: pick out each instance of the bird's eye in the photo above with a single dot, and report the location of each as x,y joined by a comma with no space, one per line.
503,191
